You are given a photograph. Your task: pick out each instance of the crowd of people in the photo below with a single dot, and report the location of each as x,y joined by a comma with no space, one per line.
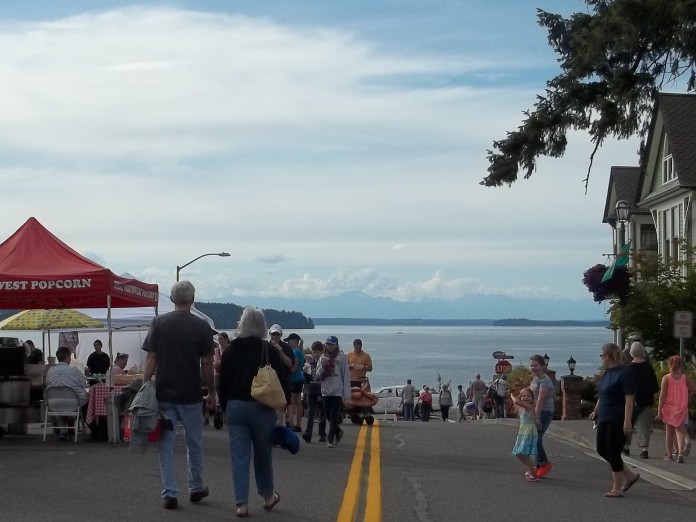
184,353
626,392
478,401
180,347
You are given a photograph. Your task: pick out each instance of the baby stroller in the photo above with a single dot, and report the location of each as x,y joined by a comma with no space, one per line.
360,404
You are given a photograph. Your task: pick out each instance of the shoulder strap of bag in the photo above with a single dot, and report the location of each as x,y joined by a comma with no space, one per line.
264,353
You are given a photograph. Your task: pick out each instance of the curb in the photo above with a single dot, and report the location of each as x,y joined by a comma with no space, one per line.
669,479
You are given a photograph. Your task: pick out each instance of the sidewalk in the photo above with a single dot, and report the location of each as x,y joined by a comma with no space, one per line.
667,474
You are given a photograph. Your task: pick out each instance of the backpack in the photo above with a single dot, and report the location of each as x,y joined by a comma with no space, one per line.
493,390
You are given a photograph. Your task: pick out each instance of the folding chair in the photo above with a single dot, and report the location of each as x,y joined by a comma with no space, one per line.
62,401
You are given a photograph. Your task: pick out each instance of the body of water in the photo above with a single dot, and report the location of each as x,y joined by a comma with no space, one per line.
458,353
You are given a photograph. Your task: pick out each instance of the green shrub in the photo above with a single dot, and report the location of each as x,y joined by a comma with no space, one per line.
520,377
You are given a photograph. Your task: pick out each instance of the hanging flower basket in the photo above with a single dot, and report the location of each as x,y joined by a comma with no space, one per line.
617,287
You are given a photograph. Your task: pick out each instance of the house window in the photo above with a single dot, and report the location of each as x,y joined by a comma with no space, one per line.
668,173
648,238
670,231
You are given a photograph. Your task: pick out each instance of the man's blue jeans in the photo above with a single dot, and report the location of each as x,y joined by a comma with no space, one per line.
250,424
191,416
408,411
545,418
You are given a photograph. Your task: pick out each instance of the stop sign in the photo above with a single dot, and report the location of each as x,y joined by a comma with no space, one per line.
503,367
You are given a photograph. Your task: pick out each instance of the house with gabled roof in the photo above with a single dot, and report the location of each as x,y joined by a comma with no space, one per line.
660,191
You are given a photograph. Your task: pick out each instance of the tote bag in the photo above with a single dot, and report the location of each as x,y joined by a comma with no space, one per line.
265,387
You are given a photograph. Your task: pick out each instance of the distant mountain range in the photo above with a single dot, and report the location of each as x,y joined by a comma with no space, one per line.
360,305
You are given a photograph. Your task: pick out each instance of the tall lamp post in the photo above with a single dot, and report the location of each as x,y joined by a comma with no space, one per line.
622,210
220,254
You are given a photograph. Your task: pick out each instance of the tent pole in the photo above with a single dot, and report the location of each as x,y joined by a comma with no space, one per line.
114,415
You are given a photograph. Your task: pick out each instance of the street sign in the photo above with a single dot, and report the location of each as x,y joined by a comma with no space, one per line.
502,355
683,325
503,367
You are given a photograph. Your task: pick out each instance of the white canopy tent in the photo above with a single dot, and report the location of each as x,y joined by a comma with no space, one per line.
129,327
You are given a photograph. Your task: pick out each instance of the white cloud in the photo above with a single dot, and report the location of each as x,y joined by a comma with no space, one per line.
320,161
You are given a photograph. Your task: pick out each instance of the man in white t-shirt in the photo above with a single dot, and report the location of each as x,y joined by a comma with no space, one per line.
501,386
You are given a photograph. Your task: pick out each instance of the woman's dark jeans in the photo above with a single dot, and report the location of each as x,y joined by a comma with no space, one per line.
545,418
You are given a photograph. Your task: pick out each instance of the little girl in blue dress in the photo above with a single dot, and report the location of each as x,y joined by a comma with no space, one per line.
526,443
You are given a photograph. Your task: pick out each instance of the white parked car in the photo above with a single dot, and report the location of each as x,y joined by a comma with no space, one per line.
391,397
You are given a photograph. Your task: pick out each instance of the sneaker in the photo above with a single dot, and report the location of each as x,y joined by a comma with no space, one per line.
543,470
170,502
197,496
307,438
330,445
680,459
339,436
644,454
626,451
322,438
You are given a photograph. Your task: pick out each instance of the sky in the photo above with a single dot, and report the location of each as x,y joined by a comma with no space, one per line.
328,146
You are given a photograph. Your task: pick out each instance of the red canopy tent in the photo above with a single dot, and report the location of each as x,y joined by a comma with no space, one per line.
38,270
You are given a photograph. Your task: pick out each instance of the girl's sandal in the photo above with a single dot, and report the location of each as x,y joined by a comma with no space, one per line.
613,494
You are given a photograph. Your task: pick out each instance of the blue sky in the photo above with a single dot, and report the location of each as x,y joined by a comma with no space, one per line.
328,146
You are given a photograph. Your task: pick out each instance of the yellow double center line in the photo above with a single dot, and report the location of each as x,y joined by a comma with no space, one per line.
373,494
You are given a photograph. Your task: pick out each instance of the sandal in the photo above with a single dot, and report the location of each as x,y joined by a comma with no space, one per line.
613,494
630,483
276,499
667,457
242,511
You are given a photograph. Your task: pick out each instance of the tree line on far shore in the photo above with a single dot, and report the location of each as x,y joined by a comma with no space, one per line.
227,315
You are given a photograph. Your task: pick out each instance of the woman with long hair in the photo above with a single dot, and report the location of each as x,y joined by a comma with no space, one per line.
250,424
613,413
673,407
542,388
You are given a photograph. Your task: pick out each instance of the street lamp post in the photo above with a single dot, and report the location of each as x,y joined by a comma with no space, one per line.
178,268
622,210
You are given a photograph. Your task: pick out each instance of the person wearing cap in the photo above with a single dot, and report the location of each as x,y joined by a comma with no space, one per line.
333,373
288,358
296,383
359,363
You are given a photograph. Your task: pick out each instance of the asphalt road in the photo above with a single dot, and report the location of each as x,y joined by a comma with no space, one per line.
403,472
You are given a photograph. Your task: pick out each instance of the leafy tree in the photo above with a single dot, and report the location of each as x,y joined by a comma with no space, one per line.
660,290
614,59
